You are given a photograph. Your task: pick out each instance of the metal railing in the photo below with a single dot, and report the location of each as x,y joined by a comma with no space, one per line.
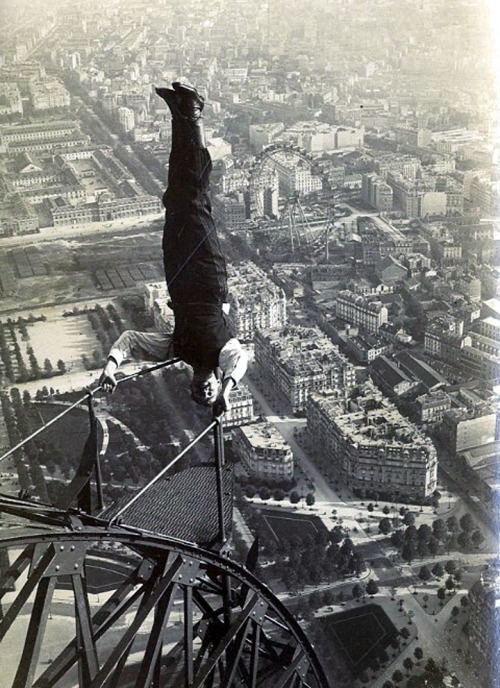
215,424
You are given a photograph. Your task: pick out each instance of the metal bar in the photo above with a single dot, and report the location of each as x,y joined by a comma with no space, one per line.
237,650
282,681
153,649
219,462
161,473
35,633
106,616
42,428
83,618
117,673
34,434
144,371
242,617
97,463
10,576
254,659
26,591
188,636
128,637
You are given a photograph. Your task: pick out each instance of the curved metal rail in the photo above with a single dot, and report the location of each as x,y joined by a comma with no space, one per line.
137,608
165,613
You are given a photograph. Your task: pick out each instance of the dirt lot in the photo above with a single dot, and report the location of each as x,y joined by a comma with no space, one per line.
64,271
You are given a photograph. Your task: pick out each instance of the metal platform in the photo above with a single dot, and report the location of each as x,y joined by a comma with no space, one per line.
182,506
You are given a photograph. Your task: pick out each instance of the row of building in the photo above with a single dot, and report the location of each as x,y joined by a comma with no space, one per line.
55,177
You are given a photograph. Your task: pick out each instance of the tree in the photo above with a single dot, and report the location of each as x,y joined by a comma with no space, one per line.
424,533
264,493
336,535
386,509
424,574
294,497
467,523
370,507
397,539
452,524
310,499
61,366
409,518
385,526
47,367
397,676
422,549
408,551
450,566
363,677
464,601
425,598
408,664
357,591
477,538
464,539
450,583
455,611
371,587
441,593
439,529
383,656
404,633
418,653
438,570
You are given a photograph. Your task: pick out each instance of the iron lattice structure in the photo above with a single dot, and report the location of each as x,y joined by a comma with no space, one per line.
138,607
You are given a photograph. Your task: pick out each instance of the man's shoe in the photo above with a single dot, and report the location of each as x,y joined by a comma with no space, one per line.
170,97
190,102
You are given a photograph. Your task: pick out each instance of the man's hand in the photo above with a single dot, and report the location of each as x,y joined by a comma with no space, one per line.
222,404
108,379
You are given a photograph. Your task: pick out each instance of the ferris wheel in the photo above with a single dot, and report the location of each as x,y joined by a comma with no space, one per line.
289,172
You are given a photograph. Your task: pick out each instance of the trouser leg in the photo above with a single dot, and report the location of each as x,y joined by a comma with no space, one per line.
195,267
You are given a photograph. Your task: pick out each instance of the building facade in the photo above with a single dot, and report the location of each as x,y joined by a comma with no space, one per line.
264,452
257,303
377,450
296,361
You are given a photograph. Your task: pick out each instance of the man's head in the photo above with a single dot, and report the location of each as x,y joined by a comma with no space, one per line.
205,387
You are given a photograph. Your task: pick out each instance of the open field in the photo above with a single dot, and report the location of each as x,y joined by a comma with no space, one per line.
71,270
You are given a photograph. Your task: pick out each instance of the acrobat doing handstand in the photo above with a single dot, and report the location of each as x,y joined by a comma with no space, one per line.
195,270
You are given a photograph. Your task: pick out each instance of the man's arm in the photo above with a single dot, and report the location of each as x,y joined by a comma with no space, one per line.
139,346
233,360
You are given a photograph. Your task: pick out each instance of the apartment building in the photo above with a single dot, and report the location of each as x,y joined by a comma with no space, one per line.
257,303
464,429
432,407
374,450
365,311
484,617
298,360
263,451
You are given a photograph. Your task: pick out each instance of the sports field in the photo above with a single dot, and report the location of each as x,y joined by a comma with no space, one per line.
289,524
361,633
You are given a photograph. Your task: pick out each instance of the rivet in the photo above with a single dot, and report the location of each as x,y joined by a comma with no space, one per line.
180,575
72,548
57,567
76,566
61,548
